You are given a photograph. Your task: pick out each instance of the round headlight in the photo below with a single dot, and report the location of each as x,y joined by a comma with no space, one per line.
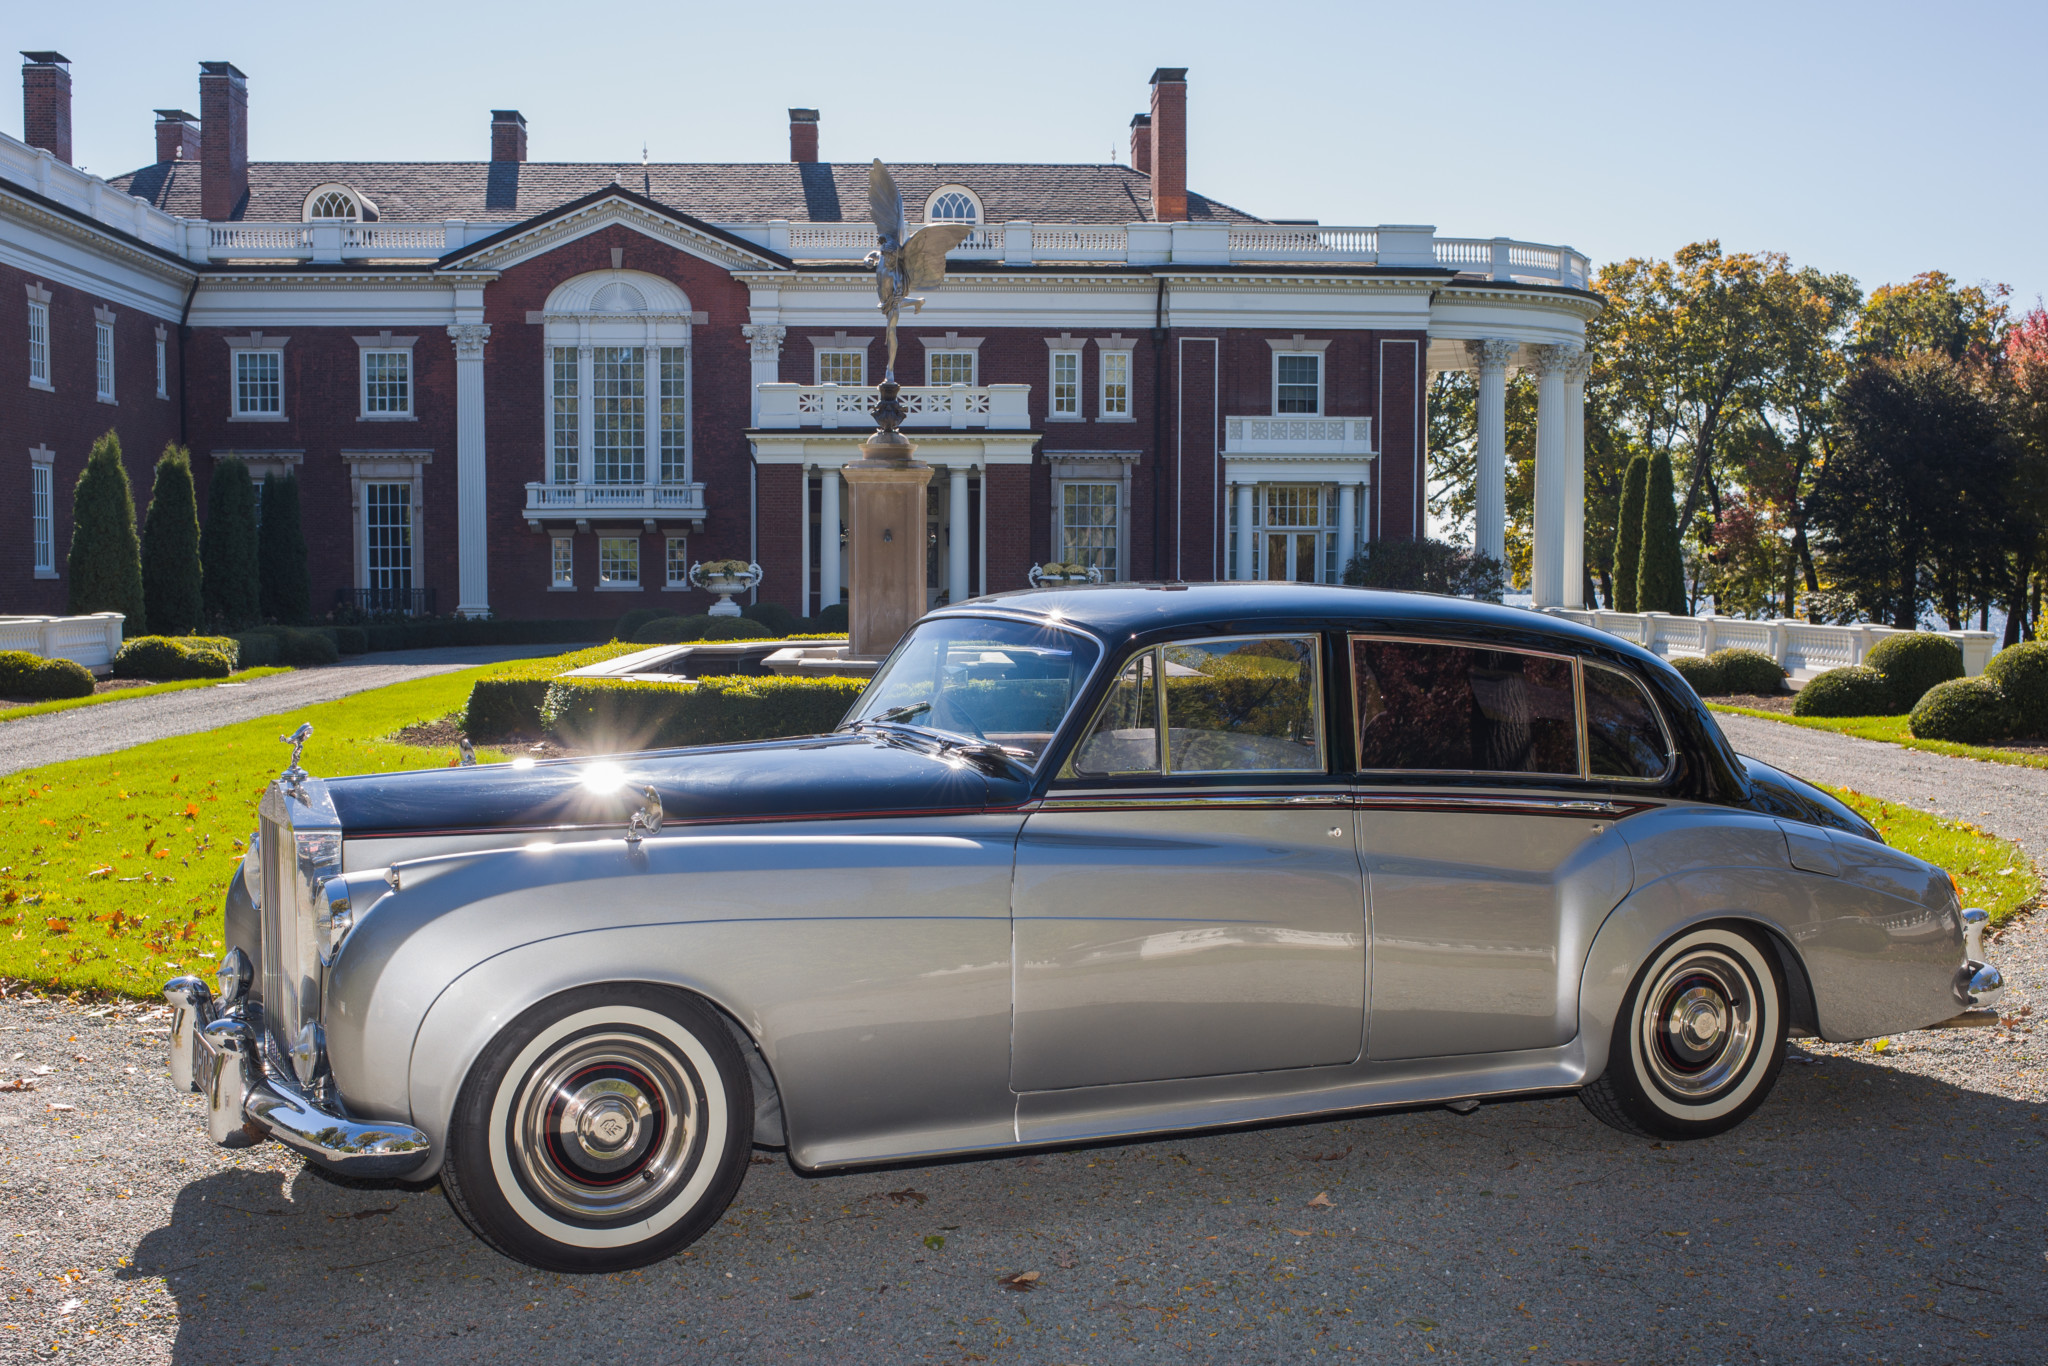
333,916
235,974
252,869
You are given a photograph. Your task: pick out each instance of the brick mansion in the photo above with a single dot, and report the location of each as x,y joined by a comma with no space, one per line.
539,389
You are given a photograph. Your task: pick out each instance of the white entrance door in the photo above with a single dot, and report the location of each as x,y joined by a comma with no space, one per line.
1294,532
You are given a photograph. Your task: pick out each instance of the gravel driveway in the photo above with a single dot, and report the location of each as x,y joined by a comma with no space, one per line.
2005,799
108,726
1881,1206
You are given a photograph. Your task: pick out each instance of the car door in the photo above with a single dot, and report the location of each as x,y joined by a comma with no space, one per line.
1485,894
1188,899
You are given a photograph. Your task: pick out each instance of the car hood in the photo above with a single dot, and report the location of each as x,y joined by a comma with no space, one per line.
809,778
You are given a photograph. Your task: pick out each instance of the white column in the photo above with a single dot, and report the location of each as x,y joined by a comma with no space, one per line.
1576,371
586,418
765,346
1490,496
472,509
1546,558
956,534
828,537
803,533
1246,561
1347,526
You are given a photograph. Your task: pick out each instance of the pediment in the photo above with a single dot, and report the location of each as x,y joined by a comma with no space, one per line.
613,206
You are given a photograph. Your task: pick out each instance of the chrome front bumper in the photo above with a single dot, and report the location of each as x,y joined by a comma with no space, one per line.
221,1058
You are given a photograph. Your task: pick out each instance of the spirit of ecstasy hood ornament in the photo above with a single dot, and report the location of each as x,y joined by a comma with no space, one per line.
295,777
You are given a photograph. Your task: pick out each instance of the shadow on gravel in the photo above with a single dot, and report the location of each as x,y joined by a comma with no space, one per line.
1863,1212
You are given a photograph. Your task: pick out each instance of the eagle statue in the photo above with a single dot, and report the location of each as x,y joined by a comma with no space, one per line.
905,264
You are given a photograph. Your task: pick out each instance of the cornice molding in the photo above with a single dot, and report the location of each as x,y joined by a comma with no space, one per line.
99,237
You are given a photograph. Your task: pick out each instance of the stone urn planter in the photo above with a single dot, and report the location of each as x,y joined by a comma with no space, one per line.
725,578
1053,574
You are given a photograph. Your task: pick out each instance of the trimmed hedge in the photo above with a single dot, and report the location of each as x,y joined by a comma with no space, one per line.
1748,671
165,659
2021,673
779,620
440,631
614,715
1703,673
25,675
1965,711
256,649
670,630
831,618
350,640
1913,663
509,703
737,628
635,619
299,647
1854,691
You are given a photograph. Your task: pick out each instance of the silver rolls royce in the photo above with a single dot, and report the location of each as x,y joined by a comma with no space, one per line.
1081,863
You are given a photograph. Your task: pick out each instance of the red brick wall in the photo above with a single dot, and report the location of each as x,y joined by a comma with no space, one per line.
69,419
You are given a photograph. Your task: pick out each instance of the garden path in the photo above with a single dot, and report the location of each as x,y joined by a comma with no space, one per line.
108,726
2006,799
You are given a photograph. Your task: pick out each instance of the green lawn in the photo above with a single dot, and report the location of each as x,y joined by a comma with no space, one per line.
1990,872
112,868
123,694
1892,730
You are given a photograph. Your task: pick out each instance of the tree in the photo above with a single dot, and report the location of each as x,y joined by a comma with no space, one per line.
170,548
106,559
1660,571
1628,534
227,547
1933,314
2026,378
281,553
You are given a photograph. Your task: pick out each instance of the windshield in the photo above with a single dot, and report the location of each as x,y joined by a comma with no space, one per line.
1007,682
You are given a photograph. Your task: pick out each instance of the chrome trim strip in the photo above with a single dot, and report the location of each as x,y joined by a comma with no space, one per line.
1328,800
1202,802
1531,806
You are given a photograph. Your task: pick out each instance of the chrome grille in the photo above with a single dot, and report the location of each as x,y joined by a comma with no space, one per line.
296,860
275,916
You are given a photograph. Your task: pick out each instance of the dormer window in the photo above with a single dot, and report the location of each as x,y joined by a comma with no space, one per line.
338,204
952,204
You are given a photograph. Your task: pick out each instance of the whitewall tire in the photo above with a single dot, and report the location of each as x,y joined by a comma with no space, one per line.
1700,1038
604,1129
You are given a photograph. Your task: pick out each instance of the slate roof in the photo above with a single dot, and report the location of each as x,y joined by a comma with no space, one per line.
817,192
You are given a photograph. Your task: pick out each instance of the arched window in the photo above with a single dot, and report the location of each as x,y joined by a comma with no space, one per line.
338,204
953,204
618,358
333,204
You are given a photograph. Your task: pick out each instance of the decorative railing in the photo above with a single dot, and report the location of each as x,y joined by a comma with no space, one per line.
91,640
1804,648
1297,436
632,500
1002,407
387,601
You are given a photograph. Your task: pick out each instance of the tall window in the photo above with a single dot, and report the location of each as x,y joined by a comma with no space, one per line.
39,344
1297,382
1088,526
387,536
103,360
618,561
678,561
564,467
259,383
674,416
163,377
44,519
561,562
618,415
949,367
387,384
1116,384
1066,384
842,367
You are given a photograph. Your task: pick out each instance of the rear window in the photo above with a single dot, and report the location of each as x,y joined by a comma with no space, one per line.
1624,736
1427,707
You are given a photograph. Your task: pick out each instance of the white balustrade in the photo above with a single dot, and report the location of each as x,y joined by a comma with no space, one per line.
1297,436
558,499
1000,407
90,640
1804,648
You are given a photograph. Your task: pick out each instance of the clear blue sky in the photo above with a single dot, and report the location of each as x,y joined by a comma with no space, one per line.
1881,139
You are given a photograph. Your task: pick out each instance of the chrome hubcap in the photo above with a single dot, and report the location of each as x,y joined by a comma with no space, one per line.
605,1126
1699,1024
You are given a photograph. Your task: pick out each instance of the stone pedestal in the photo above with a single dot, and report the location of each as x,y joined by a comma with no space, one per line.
885,550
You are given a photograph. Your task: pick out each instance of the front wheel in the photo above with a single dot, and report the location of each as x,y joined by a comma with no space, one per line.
1699,1041
604,1129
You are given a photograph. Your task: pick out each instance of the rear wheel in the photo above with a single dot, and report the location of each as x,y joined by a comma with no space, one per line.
1699,1040
606,1128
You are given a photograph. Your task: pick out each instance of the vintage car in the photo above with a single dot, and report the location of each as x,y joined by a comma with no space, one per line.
1081,864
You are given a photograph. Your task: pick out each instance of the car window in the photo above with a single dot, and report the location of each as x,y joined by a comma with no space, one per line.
1624,736
1009,682
1247,705
1125,736
1430,707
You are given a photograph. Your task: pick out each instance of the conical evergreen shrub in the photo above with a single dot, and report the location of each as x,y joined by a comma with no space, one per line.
1660,575
281,553
1628,536
170,548
106,559
227,547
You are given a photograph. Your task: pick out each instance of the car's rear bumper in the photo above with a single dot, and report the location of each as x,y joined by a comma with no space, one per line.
221,1058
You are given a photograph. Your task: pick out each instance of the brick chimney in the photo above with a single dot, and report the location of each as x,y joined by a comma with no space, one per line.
1141,143
803,135
1169,168
224,150
46,102
508,135
177,135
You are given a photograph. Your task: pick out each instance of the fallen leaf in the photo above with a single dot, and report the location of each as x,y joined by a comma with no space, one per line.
1327,1157
1321,1201
363,1213
1302,1232
934,1241
906,1196
18,1084
803,1294
1020,1281
59,1108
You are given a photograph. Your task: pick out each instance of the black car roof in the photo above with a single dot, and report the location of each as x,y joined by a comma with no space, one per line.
1122,610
